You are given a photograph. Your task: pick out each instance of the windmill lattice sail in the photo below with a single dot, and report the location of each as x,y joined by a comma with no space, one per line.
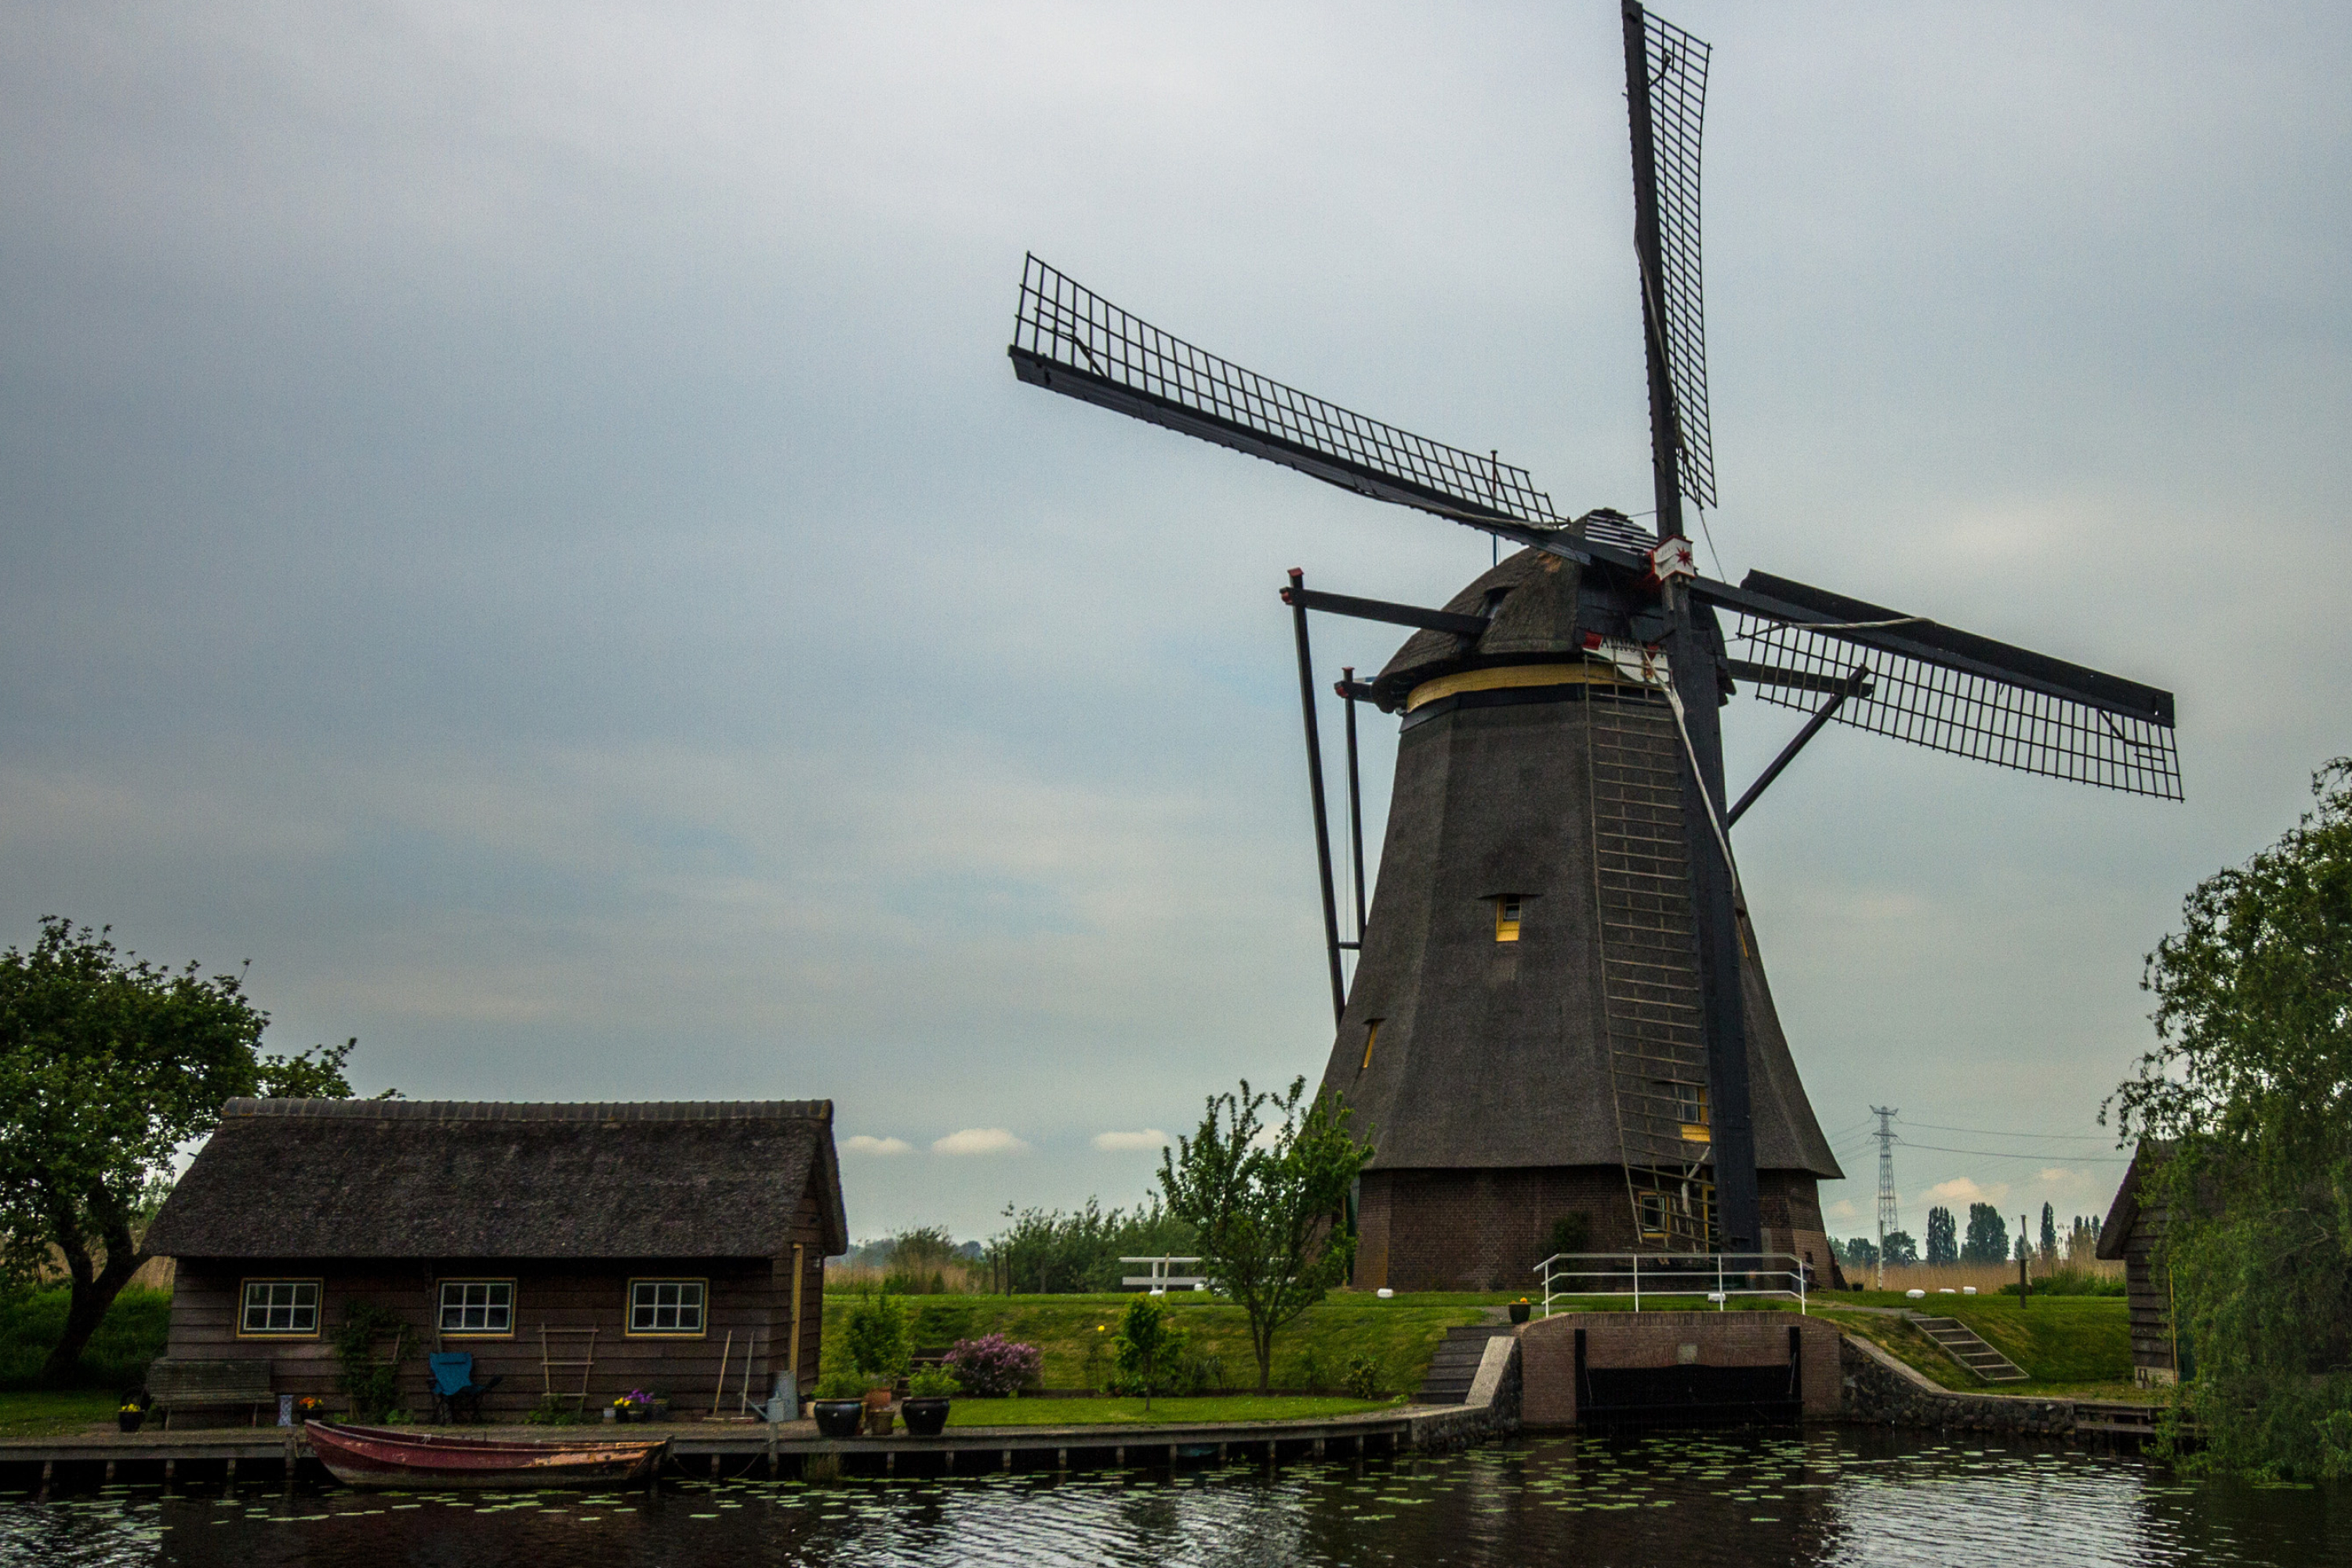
1068,338
1677,65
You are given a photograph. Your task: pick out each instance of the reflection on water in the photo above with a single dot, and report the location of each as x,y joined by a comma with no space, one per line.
1835,1496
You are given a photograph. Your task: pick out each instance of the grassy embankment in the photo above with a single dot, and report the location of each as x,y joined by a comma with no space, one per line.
1075,1333
2069,1346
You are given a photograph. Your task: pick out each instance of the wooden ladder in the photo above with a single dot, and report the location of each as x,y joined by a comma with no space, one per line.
549,1363
1649,961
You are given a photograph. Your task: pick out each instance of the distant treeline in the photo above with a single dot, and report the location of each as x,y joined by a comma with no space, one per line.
1040,1252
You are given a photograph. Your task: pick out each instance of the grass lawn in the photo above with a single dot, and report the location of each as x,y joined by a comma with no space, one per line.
2070,1345
1075,1334
44,1412
1130,1412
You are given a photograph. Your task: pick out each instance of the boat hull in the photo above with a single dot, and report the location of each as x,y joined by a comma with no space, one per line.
373,1456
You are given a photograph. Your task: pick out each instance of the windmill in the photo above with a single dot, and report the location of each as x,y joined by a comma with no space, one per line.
1557,985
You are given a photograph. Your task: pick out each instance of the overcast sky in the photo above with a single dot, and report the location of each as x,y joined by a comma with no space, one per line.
518,524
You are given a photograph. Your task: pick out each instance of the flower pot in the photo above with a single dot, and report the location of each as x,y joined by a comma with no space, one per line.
129,1419
925,1417
1519,1310
838,1417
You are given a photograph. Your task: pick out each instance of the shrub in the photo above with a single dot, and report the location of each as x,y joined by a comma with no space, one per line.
1151,1349
373,1384
1312,1373
554,1410
1571,1233
878,1338
839,1385
933,1382
993,1367
1364,1379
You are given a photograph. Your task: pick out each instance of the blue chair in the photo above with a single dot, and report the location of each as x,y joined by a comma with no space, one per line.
454,1388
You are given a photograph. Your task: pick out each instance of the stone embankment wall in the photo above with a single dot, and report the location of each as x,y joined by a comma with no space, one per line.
1882,1391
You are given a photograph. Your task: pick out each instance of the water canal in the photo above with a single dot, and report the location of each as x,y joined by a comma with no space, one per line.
1829,1497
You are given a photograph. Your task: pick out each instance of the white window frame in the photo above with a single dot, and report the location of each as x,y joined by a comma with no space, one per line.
489,1306
294,1306
699,1304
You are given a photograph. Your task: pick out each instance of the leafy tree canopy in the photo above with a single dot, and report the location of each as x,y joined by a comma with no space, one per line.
1988,1236
2246,1101
1943,1236
1901,1247
108,1066
1270,1211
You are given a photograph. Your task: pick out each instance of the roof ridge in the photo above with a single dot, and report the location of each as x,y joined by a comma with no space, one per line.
538,1111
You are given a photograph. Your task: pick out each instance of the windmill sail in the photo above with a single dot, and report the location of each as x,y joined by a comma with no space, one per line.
1676,65
1068,338
1951,691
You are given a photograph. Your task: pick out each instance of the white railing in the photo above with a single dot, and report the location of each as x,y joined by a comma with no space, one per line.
1160,1279
1718,1276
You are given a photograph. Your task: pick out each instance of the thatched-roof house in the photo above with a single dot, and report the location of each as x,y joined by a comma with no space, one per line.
2134,1232
580,1250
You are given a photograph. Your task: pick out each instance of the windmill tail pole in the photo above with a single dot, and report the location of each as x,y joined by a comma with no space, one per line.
1295,597
1355,803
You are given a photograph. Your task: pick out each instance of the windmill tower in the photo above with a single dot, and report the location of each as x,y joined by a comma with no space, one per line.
1561,1006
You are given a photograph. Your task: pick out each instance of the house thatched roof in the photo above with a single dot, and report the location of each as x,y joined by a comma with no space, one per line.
466,1179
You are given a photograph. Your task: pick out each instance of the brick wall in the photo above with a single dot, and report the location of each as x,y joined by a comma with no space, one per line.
1613,1340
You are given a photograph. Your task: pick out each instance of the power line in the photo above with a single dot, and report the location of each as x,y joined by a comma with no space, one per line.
1999,1132
2025,1154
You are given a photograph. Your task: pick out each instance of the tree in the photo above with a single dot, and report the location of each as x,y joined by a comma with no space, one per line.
1270,1212
1148,1348
2049,1236
2243,1114
1859,1252
1943,1236
1988,1238
108,1066
1901,1247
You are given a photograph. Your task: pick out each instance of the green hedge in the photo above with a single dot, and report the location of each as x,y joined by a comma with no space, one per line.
117,1356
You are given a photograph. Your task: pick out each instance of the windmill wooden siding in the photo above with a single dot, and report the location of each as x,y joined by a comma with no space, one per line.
367,1198
2134,1232
1512,1083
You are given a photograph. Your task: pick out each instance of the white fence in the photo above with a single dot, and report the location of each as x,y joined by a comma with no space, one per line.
1718,1276
1159,1281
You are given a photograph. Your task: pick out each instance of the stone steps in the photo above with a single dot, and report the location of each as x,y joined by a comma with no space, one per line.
1962,1344
1455,1364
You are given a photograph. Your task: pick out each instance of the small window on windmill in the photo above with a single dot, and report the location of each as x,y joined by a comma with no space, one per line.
1653,1214
1690,1108
1372,1038
1506,917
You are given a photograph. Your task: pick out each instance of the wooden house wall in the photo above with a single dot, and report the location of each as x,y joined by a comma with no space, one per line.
2144,1284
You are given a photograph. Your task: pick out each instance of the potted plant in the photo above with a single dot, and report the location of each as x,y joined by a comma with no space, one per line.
877,1349
310,1407
926,1407
129,1413
1520,1309
838,1406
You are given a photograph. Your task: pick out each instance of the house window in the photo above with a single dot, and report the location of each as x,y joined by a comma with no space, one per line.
666,1306
287,1306
477,1306
1506,917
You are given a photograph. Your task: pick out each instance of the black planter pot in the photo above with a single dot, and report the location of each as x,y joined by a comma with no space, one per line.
838,1417
130,1422
924,1417
1519,1310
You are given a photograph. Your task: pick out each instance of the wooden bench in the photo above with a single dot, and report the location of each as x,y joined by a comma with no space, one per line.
176,1385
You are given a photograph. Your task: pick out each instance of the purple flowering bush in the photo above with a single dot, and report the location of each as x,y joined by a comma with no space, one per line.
992,1366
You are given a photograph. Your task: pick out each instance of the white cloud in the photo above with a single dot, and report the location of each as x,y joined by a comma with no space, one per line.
1843,1209
980,1141
861,1143
1128,1143
1963,1190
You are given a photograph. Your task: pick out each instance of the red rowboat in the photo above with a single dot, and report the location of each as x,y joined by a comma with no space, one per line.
376,1456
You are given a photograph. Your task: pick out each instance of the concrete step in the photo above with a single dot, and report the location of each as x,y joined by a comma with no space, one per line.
1964,1345
1455,1366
